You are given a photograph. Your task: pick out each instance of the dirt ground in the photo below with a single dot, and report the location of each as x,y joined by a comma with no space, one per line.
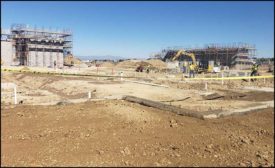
119,133
43,89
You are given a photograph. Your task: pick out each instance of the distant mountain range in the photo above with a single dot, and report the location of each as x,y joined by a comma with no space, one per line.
107,57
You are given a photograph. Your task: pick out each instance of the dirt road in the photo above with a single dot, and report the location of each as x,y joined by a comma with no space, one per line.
119,133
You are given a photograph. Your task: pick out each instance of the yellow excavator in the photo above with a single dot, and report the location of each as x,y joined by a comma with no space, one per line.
198,69
182,52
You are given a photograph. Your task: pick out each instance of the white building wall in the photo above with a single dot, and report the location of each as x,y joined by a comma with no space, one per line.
6,53
47,59
60,59
40,59
32,59
54,57
31,56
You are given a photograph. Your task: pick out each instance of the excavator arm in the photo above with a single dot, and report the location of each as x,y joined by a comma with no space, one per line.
179,53
182,52
198,69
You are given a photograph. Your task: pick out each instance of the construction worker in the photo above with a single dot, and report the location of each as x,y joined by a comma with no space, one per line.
192,70
254,70
54,63
184,67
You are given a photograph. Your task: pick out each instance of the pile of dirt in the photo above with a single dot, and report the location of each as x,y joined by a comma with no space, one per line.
157,63
71,60
132,64
107,64
127,63
144,64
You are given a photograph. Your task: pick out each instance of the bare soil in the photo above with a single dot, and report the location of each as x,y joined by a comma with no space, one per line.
119,133
38,89
249,96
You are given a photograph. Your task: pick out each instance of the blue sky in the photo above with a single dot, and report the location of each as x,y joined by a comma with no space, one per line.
137,29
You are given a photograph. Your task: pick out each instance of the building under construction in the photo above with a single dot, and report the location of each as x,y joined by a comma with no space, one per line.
28,46
237,56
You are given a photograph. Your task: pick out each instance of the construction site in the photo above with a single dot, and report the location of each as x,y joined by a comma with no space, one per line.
57,110
235,56
27,46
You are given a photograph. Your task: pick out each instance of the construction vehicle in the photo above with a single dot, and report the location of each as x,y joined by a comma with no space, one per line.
197,68
139,68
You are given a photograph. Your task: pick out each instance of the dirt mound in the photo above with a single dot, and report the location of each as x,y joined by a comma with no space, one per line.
107,64
144,64
132,64
153,64
157,63
127,63
71,60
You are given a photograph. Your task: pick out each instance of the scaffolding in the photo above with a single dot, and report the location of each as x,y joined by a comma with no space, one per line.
39,46
231,55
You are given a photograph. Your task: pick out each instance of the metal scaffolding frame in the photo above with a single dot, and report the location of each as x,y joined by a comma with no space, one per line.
222,54
40,40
